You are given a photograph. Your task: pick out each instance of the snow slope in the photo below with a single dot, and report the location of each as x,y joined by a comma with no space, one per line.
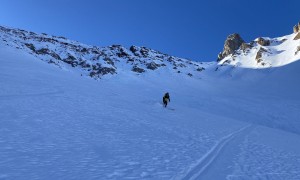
55,124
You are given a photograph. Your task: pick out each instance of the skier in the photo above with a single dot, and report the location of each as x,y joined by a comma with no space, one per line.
166,99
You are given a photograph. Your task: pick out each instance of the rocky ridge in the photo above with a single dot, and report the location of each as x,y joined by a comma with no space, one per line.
95,61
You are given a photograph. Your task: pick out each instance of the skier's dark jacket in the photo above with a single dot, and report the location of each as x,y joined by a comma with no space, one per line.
166,98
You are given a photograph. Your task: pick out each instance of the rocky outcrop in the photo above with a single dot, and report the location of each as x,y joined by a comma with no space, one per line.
245,46
263,42
259,54
190,74
232,43
153,66
137,69
200,69
99,71
44,51
297,36
71,60
30,46
296,28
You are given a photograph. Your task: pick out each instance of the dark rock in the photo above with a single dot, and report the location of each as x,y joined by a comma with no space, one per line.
71,60
189,74
122,53
84,64
52,62
30,46
71,57
32,33
259,60
133,49
137,69
181,65
45,51
54,55
144,51
259,54
245,46
84,50
94,67
109,61
95,52
130,60
179,60
263,42
93,74
61,37
200,69
170,59
116,46
42,51
106,70
232,43
152,66
98,70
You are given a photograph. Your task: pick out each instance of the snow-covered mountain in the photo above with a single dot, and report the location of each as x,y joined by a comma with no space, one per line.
237,118
96,61
263,52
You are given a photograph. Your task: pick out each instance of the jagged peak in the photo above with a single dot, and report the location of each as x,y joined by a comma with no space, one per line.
232,43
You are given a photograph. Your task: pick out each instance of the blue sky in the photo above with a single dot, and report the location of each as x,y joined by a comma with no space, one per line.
193,29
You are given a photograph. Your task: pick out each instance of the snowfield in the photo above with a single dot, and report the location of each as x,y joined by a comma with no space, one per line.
235,123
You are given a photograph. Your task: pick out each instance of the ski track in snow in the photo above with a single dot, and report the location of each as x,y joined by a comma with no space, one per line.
205,162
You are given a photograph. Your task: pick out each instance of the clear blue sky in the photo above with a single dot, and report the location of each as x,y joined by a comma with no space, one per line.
193,29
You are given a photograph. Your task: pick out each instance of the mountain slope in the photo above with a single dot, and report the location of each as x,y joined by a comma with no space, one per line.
235,123
96,61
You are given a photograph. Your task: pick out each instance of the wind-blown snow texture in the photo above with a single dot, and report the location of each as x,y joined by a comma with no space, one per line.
233,120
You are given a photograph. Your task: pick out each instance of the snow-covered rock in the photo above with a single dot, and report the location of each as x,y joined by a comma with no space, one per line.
232,43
